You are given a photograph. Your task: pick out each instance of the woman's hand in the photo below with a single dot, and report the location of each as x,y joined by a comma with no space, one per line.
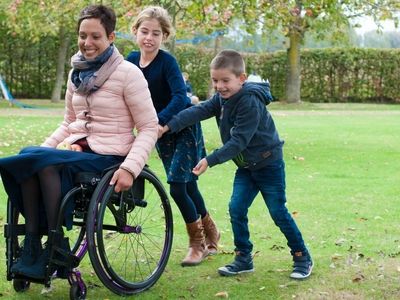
76,147
64,146
122,179
201,167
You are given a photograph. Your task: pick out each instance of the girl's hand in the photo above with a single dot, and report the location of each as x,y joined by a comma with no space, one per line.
122,179
201,167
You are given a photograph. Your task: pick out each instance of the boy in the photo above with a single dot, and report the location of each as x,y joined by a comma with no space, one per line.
251,140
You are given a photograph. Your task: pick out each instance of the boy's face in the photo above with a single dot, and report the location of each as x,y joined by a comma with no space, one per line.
226,83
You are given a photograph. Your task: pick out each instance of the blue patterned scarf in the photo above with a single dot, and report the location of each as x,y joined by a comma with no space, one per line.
89,75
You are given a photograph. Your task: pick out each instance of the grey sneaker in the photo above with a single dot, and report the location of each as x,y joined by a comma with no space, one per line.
302,266
241,264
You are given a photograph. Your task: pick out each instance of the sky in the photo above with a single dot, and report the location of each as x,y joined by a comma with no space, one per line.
368,25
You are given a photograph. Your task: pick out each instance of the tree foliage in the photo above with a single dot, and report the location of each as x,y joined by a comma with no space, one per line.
293,19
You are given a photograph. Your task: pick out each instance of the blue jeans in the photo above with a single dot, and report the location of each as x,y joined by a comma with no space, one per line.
270,181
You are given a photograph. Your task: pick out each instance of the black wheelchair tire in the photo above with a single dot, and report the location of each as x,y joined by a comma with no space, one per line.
20,285
104,269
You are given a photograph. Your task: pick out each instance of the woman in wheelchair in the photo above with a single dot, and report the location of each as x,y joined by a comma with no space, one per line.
106,98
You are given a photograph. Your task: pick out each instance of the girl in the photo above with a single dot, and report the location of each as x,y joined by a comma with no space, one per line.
179,152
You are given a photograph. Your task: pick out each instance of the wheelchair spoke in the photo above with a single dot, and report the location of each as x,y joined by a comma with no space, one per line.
131,236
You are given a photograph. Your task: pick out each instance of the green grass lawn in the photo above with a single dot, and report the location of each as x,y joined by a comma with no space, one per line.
343,171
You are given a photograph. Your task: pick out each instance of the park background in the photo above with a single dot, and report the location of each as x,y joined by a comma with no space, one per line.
337,109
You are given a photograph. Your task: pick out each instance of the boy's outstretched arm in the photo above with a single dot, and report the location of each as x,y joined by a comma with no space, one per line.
201,167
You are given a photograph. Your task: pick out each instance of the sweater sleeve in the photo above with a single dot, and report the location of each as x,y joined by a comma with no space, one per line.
194,114
247,119
179,100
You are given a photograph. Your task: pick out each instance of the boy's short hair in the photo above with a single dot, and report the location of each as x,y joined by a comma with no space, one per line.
105,14
229,59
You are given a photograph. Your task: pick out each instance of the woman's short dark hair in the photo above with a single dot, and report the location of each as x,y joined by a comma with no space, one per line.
105,14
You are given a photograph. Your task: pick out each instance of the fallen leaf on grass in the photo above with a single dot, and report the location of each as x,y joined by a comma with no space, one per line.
359,256
394,254
295,214
227,252
340,242
46,290
93,285
336,256
222,295
358,278
298,157
281,270
277,248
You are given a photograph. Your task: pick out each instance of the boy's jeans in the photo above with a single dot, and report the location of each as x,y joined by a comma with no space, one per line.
270,181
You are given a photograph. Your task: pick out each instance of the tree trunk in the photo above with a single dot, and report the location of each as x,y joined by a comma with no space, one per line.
62,56
293,80
296,35
172,44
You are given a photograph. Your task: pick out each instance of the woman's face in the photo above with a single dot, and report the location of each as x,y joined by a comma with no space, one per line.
149,36
93,39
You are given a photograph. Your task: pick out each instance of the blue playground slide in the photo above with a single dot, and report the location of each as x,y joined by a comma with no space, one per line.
7,95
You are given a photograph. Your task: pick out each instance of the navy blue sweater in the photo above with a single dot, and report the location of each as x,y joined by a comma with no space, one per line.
166,84
246,127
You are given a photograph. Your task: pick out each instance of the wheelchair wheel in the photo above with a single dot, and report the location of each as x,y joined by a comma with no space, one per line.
77,292
21,285
76,235
77,241
130,234
14,234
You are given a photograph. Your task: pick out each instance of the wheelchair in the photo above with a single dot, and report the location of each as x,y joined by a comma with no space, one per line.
128,235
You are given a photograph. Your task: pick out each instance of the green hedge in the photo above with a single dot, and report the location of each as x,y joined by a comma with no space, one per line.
328,75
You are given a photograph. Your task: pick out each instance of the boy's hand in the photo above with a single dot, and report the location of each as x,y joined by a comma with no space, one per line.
201,167
122,179
162,130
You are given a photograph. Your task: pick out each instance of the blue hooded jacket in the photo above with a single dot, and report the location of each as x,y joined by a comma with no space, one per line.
246,127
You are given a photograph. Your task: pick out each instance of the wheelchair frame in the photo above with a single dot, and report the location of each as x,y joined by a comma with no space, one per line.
139,221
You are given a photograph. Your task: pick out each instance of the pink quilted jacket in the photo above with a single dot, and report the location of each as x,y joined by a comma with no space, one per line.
107,118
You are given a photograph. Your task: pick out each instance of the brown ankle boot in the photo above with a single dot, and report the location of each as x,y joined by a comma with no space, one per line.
212,234
197,244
